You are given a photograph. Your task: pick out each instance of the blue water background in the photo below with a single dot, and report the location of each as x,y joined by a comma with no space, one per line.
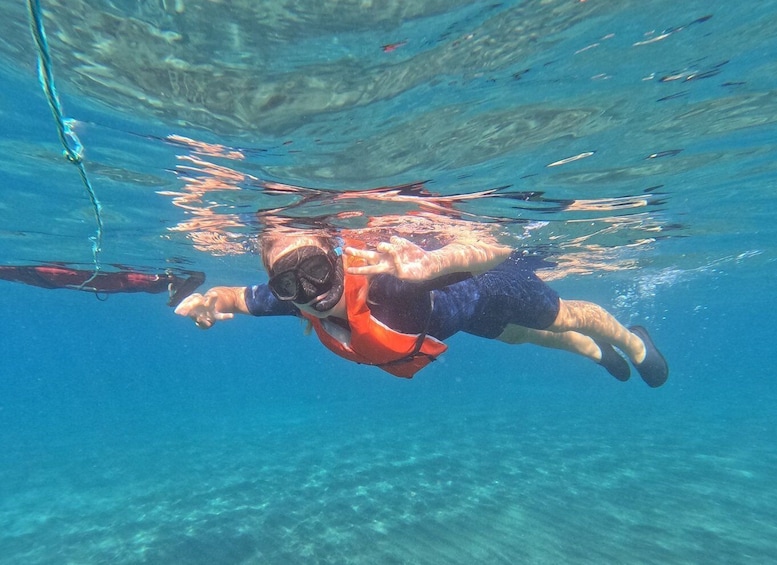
130,437
124,440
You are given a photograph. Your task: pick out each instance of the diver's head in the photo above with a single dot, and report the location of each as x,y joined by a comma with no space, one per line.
304,269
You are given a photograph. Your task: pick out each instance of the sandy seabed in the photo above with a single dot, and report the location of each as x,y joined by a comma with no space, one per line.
466,488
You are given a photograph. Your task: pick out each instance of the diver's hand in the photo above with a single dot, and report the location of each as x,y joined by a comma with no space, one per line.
206,309
398,257
405,260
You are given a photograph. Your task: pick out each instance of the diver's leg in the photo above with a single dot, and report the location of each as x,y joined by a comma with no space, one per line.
594,321
568,341
599,352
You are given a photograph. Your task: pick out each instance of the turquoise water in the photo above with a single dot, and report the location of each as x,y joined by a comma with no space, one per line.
128,436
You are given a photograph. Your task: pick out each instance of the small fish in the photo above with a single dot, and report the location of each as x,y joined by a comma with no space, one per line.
393,46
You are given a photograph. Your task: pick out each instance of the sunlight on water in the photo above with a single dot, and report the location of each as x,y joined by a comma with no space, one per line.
593,118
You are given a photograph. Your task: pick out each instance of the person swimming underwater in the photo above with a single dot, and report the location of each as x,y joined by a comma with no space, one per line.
393,306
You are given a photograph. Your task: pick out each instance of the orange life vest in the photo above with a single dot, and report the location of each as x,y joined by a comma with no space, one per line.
371,341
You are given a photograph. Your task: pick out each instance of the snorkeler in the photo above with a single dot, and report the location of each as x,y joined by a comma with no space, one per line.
393,306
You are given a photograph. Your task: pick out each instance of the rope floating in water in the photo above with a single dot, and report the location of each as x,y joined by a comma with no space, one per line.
73,150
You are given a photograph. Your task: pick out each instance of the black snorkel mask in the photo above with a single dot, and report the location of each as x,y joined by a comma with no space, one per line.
309,275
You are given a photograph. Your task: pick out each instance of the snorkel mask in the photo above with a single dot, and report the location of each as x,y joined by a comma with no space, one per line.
309,275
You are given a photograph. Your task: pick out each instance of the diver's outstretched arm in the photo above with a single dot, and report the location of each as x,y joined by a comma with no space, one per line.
405,260
219,303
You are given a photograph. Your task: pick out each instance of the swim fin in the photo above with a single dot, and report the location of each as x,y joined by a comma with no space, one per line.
613,362
653,369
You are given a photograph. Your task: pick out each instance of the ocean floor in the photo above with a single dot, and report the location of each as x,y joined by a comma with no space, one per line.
454,486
